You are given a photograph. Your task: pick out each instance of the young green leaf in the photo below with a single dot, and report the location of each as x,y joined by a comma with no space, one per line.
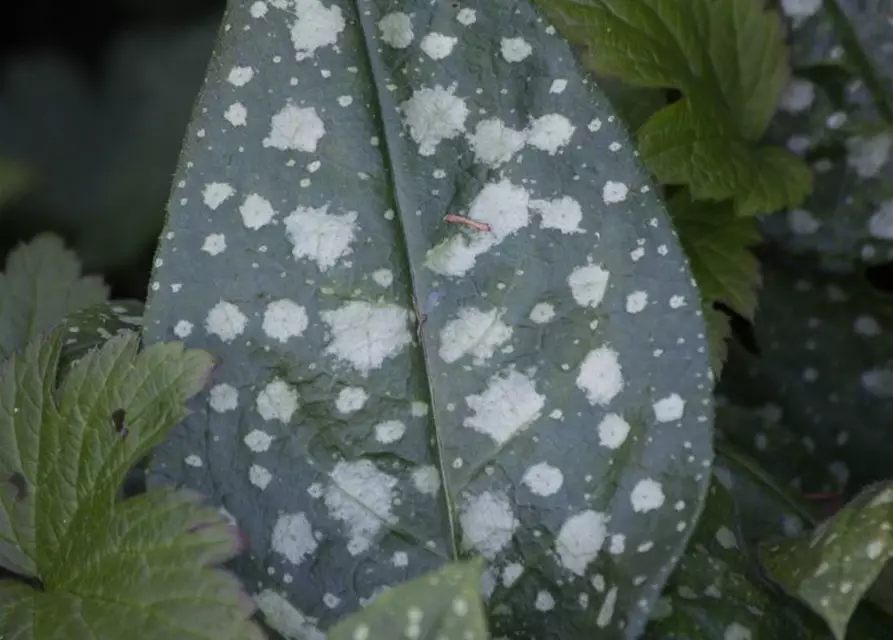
728,58
106,569
451,314
832,567
718,244
444,605
41,285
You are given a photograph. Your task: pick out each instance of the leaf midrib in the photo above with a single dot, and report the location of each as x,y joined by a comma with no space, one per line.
367,28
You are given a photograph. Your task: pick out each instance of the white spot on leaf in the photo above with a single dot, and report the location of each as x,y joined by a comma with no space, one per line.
509,404
550,133
614,192
351,399
488,523
613,431
295,128
364,335
494,143
434,115
277,401
223,398
588,284
580,540
225,321
317,26
543,479
293,537
389,431
515,49
473,332
321,236
600,377
284,319
256,211
426,480
362,497
215,193
396,29
669,409
542,313
647,495
564,214
438,46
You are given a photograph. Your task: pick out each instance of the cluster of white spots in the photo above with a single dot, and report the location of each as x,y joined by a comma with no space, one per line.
183,329
434,115
736,630
636,301
543,479
467,17
438,46
426,480
614,192
542,313
321,236
389,431
866,326
550,133
225,321
726,538
223,397
558,85
878,382
867,155
494,143
236,114
544,601
351,399
502,205
606,612
193,461
802,222
613,431
283,617
669,409
647,495
563,214
259,476
488,523
240,76
511,573
880,224
475,332
600,377
588,284
383,277
362,497
277,401
316,27
256,211
396,29
797,96
515,49
295,128
580,540
293,537
799,9
284,319
258,440
509,405
215,193
364,334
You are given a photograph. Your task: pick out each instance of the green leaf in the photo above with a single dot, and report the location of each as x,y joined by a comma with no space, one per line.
718,244
15,180
707,139
63,456
832,567
359,450
445,605
41,285
715,593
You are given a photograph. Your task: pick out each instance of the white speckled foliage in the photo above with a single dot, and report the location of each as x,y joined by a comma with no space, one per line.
837,112
396,391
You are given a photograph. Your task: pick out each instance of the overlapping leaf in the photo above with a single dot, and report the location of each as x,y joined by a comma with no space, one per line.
833,566
138,568
42,283
728,59
445,605
554,393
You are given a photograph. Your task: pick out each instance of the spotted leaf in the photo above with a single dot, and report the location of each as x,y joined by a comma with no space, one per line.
451,316
824,357
836,112
446,604
93,326
832,567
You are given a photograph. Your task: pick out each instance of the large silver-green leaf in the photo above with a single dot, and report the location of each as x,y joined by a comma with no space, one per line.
550,412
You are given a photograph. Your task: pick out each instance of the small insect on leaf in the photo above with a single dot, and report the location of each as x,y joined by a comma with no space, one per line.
468,222
118,422
17,480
